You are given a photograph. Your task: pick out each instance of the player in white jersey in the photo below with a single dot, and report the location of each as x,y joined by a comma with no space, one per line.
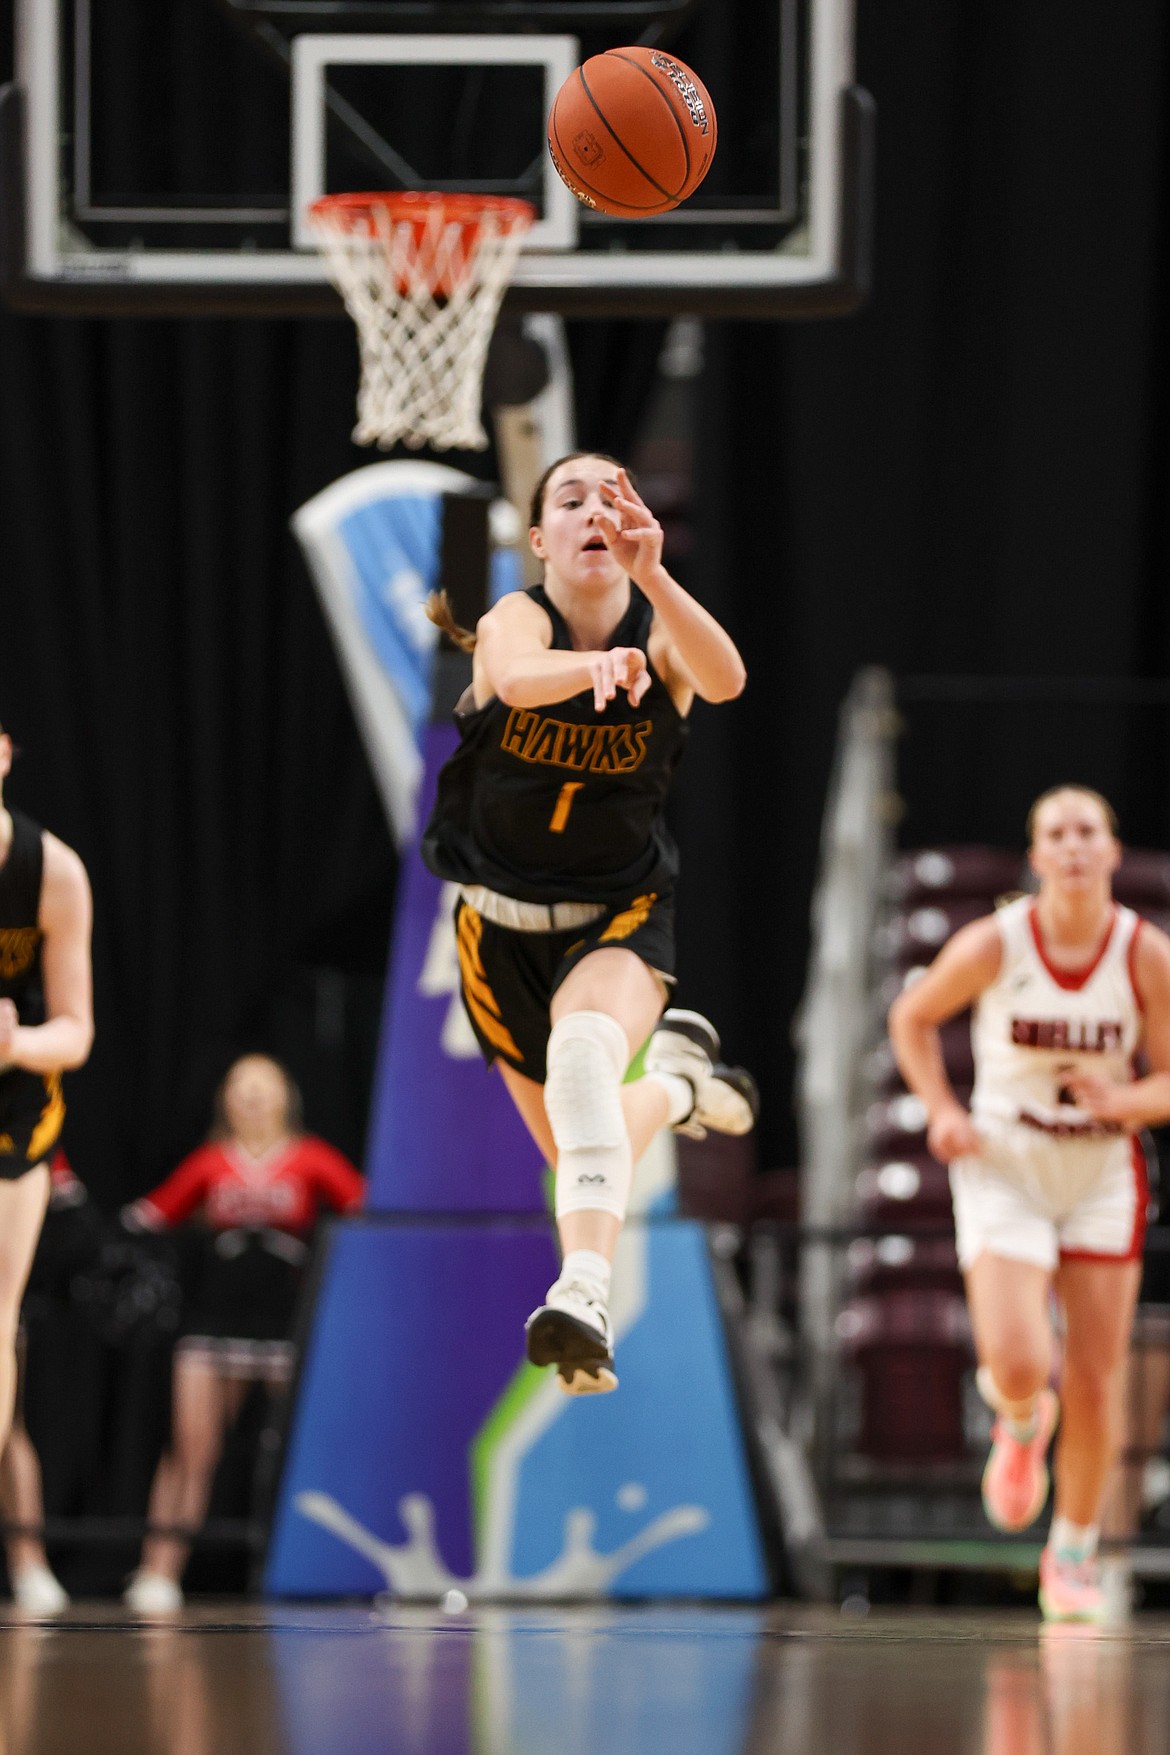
1047,1173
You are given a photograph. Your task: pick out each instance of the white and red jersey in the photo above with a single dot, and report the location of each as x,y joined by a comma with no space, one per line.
282,1190
1037,1024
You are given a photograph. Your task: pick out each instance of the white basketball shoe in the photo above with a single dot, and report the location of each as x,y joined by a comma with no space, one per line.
37,1592
152,1593
571,1330
726,1098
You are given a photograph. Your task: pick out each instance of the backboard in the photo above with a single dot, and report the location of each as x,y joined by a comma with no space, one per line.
159,160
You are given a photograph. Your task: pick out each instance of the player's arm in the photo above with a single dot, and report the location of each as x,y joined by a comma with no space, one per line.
1146,1101
65,920
515,661
967,964
699,656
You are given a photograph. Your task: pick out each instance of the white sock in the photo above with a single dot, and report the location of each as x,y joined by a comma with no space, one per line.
587,1264
1076,1542
680,1094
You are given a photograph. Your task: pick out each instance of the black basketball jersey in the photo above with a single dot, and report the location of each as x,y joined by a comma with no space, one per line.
20,935
560,802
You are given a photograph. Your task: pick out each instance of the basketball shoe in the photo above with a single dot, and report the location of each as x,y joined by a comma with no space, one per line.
571,1330
726,1098
1015,1481
37,1592
1070,1590
152,1593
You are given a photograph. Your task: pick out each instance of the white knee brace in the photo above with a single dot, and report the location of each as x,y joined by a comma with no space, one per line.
587,1058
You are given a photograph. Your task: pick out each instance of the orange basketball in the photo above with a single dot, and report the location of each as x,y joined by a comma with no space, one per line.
632,132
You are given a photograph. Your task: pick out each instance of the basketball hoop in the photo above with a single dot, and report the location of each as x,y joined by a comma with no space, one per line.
422,276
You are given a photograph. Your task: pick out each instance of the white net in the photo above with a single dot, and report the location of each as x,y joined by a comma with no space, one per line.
422,277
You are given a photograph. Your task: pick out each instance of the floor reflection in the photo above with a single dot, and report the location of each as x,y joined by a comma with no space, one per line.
589,1682
106,1689
1075,1695
628,1681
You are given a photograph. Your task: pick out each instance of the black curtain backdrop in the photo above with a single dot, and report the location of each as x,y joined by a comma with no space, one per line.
167,675
971,476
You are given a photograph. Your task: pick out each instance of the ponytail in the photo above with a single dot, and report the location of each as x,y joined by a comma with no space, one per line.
439,611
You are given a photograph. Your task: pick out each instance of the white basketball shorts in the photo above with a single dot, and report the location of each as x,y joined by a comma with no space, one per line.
1035,1198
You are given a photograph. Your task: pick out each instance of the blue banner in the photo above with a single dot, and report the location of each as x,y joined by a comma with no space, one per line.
444,1136
427,1455
373,542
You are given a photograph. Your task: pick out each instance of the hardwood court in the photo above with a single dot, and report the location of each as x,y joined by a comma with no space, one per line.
226,1680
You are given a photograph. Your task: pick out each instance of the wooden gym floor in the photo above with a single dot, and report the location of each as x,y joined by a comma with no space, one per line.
787,1680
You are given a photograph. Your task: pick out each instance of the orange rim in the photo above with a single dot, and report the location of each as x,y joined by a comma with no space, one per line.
350,210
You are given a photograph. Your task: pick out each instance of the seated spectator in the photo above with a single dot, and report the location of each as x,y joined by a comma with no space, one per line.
258,1184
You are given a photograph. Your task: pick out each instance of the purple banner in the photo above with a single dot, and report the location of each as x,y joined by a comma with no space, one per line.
444,1135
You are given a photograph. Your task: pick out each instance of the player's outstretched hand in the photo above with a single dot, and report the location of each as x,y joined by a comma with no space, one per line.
951,1134
622,667
630,530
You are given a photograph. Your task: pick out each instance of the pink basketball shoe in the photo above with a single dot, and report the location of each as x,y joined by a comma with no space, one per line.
1015,1481
1070,1590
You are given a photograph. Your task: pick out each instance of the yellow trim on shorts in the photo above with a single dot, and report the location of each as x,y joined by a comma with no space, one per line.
52,1120
481,1001
630,919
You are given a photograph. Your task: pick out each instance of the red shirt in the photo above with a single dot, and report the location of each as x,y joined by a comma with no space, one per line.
284,1190
64,1188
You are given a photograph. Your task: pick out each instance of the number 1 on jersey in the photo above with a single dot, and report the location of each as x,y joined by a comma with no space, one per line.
564,805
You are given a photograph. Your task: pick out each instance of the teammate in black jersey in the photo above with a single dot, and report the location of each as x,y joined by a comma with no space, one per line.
46,1027
549,817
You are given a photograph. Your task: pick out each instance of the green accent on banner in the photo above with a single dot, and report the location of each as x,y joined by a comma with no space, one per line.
522,1386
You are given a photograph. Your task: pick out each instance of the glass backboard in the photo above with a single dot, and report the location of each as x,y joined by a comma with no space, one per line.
160,159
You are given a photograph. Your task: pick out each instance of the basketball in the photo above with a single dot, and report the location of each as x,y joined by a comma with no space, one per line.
632,132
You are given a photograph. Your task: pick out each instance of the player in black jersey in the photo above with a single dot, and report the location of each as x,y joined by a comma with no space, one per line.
549,818
46,1027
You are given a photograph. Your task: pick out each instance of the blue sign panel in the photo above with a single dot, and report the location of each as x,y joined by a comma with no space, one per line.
428,1455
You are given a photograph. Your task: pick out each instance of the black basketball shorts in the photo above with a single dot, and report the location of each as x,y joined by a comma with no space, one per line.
32,1114
509,977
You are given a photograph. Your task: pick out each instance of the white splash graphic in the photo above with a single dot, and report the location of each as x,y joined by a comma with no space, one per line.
414,1569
